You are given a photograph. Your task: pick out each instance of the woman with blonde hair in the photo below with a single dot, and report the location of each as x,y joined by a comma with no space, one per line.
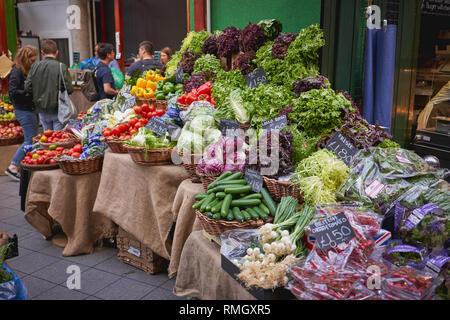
23,104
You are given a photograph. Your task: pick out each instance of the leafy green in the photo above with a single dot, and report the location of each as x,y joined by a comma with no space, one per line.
208,62
224,84
4,276
303,145
148,139
387,143
172,65
194,41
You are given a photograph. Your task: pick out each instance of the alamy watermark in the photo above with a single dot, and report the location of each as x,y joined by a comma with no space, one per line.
74,280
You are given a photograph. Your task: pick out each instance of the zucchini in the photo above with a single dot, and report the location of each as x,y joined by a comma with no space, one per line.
268,201
230,216
226,205
208,199
262,214
245,203
264,208
220,178
216,216
198,204
253,213
238,190
217,207
238,215
201,196
210,205
209,215
252,196
220,195
222,188
241,181
234,176
246,215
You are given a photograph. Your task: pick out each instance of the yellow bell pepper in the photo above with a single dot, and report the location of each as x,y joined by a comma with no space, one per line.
151,85
141,83
149,94
140,93
150,75
133,90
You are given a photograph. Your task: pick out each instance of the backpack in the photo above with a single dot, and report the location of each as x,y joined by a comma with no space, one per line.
89,87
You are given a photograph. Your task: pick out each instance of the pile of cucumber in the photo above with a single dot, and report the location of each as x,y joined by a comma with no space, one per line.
230,198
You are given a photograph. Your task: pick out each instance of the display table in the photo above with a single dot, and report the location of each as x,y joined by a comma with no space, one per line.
139,199
185,219
68,200
6,155
201,276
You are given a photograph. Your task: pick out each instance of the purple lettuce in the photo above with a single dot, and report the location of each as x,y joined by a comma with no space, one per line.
310,83
244,62
228,42
187,62
210,45
252,38
281,45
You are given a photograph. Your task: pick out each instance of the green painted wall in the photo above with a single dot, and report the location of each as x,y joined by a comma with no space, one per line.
294,14
191,15
11,32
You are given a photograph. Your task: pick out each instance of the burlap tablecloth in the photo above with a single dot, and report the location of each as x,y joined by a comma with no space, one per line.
139,199
6,155
68,200
185,219
201,276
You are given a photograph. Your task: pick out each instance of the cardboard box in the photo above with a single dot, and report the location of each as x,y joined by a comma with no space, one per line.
5,66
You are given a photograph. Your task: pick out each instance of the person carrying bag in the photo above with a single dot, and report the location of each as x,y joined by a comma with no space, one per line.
66,109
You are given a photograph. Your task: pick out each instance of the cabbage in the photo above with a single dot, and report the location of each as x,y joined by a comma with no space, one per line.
211,136
201,123
190,142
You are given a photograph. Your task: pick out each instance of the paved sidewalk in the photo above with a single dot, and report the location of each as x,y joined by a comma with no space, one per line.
43,269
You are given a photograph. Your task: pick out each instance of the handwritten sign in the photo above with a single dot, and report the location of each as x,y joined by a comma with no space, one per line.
227,125
157,125
331,232
130,102
275,124
256,77
179,75
254,179
342,148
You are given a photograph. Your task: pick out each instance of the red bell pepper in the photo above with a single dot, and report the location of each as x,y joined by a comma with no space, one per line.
191,98
213,101
205,88
194,91
182,99
203,97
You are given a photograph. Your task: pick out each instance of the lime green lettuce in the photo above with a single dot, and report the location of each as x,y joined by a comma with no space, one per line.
303,146
208,62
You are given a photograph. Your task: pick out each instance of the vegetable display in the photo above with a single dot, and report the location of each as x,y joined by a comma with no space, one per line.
228,42
208,62
252,38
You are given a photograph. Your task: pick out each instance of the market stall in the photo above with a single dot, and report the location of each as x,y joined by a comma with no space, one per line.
54,196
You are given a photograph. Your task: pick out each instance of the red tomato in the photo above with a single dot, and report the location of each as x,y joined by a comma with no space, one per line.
52,161
152,108
127,137
115,131
40,152
154,114
137,110
77,148
76,154
34,161
123,127
60,149
159,113
48,133
133,131
143,121
29,154
40,160
145,108
132,122
138,125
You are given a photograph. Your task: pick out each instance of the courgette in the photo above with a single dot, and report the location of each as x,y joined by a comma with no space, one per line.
261,213
220,178
238,215
241,182
234,176
238,190
230,216
268,201
198,204
216,216
217,207
201,196
209,215
245,203
252,196
246,215
264,208
210,205
253,213
226,205
222,188
220,195
208,199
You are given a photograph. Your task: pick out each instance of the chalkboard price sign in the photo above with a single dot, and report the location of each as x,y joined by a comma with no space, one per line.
276,124
229,126
179,75
74,123
331,232
254,179
256,77
157,125
130,102
342,148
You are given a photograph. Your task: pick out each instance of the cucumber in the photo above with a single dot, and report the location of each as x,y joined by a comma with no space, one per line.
201,196
226,205
217,207
252,196
222,188
246,215
208,199
210,205
234,176
198,204
253,213
238,190
220,195
209,215
230,216
245,203
264,208
268,201
238,215
220,178
216,216
241,181
261,213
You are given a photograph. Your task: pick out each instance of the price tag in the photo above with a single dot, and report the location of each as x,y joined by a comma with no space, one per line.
331,232
276,124
343,149
174,131
179,75
254,179
130,102
157,125
227,125
74,123
256,77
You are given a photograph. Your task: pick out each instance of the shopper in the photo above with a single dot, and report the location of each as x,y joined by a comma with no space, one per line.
103,75
95,60
23,104
165,56
147,61
43,82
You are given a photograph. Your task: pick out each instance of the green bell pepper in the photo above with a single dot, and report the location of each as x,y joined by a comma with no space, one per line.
160,85
169,88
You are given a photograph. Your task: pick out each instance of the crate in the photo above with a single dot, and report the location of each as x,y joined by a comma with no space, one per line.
133,252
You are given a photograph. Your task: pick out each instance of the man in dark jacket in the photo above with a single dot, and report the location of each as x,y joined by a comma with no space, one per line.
103,74
147,61
43,83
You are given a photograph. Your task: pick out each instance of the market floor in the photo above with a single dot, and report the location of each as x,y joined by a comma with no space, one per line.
44,270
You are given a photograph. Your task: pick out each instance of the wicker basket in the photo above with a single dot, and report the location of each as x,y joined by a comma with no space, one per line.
217,227
116,145
11,141
141,101
134,253
280,189
191,167
7,122
182,107
80,166
161,104
39,167
155,157
73,140
206,180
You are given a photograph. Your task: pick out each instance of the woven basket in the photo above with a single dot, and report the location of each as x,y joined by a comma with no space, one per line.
191,167
73,140
280,189
39,167
80,166
161,104
217,227
11,141
182,107
134,253
141,101
116,145
7,122
206,179
155,157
